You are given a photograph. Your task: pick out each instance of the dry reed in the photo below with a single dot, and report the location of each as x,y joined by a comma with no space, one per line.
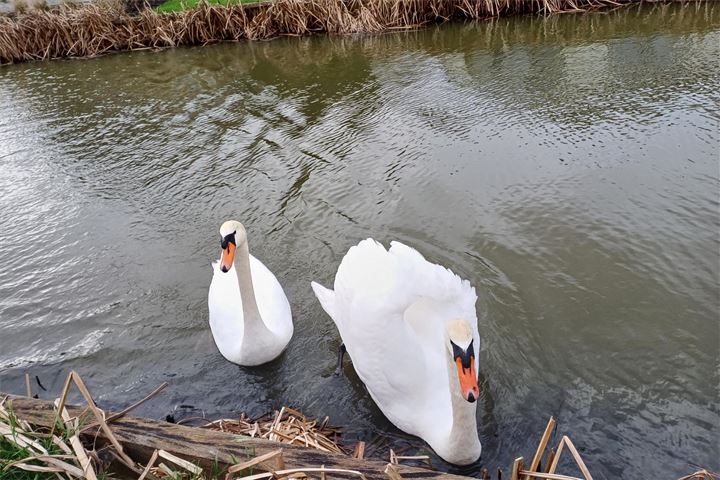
286,426
72,459
66,457
701,475
87,30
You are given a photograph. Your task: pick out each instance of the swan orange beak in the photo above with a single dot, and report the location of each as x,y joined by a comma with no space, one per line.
468,379
228,255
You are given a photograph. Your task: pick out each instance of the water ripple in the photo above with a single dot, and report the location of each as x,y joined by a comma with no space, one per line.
566,165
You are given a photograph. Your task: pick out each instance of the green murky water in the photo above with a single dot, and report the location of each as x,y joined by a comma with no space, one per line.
568,166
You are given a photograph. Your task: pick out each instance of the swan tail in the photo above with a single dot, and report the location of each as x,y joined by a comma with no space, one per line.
326,298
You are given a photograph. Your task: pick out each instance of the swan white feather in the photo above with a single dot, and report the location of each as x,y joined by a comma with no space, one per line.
392,308
229,317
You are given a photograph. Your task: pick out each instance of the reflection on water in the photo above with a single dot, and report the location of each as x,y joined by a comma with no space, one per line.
566,165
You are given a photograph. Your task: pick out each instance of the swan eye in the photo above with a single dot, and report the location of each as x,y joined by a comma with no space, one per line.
229,238
465,356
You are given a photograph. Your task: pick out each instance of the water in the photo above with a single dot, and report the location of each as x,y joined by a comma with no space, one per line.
568,166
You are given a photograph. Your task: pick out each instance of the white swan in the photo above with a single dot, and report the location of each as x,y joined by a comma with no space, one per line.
410,327
250,315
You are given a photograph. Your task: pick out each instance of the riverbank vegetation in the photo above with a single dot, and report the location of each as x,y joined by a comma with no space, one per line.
74,443
43,440
91,29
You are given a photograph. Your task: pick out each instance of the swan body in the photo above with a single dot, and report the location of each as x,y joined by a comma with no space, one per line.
250,315
410,327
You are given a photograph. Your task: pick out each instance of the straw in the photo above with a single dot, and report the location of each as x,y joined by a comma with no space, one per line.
286,426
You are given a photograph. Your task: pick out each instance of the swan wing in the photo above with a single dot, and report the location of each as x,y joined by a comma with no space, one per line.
438,295
374,285
396,278
371,295
369,277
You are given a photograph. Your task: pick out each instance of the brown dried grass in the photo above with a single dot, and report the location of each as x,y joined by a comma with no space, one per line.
72,459
87,30
701,475
286,426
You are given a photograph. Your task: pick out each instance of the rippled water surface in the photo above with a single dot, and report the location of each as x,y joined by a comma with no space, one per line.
567,166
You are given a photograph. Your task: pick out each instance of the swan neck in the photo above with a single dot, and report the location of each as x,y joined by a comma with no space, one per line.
463,437
251,313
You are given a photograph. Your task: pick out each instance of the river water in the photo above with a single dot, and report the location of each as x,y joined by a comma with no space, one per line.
567,166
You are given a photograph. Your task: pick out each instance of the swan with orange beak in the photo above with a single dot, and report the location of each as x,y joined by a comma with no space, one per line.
410,328
250,315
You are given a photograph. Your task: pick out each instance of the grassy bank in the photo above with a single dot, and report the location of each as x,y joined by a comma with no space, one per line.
87,30
179,5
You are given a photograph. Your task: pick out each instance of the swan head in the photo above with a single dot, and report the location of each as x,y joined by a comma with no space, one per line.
232,234
460,347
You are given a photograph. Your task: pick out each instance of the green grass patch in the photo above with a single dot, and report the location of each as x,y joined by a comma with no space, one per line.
11,452
179,5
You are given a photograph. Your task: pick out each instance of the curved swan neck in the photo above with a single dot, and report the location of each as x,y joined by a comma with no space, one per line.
251,313
463,437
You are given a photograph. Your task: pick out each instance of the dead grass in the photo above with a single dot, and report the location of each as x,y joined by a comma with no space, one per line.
87,30
286,426
31,452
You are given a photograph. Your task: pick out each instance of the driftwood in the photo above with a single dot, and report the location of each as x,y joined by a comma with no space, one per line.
140,438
